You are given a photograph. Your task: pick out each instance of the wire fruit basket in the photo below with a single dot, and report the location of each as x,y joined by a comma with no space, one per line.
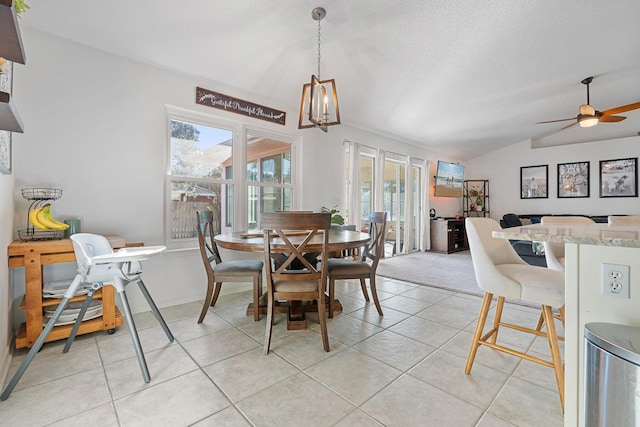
39,197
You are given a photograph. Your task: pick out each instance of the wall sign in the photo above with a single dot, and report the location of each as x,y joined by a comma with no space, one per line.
239,106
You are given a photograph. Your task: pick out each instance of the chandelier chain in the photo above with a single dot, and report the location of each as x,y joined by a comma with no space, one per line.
319,49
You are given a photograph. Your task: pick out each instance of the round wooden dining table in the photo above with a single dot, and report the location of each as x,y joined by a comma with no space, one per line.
253,241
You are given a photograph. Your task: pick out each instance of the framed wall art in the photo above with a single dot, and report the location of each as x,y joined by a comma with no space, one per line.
5,152
6,81
534,182
619,178
573,179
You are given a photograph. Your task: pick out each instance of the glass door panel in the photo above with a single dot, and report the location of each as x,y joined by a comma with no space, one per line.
394,204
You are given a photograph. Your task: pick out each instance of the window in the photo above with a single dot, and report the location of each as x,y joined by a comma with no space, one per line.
269,182
201,175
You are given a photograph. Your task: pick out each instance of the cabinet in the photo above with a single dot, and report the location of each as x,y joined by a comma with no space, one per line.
33,255
448,236
475,200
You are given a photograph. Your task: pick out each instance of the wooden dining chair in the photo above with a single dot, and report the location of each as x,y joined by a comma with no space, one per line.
228,271
292,234
365,267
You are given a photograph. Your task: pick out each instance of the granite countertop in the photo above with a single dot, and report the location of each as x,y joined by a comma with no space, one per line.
594,234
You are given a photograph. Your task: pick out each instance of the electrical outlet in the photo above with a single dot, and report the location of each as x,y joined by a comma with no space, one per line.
615,280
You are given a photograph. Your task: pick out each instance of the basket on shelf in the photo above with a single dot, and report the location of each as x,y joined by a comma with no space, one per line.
39,197
41,193
32,233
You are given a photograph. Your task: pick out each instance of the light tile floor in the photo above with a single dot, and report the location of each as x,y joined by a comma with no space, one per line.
404,369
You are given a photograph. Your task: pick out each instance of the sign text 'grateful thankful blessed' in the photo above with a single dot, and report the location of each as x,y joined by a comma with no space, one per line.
239,106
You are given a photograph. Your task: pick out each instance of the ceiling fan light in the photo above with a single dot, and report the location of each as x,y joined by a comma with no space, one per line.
587,110
587,121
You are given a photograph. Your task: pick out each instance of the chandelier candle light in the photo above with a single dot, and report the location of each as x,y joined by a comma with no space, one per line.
319,103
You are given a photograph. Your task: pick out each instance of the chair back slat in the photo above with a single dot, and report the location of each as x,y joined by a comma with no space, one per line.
374,247
287,228
206,228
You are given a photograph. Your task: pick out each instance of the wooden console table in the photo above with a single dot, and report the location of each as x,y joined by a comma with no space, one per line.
33,255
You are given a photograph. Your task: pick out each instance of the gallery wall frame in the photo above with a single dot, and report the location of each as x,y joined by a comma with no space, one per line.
5,152
534,182
573,180
619,177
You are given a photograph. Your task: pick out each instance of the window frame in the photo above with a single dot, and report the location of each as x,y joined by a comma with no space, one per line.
263,133
238,181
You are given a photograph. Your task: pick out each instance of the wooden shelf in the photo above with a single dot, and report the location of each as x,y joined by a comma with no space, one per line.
63,331
9,118
10,40
482,187
48,302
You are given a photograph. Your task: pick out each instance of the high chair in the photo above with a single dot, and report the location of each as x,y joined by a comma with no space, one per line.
98,265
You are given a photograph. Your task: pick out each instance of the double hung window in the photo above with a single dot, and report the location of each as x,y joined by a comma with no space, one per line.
205,164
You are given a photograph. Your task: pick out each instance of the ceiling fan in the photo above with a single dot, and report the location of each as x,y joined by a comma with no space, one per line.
589,116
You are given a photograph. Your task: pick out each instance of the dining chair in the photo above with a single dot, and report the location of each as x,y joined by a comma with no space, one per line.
219,272
623,220
293,234
395,237
554,252
98,265
502,273
365,267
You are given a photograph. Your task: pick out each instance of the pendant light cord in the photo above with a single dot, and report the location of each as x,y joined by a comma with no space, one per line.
319,48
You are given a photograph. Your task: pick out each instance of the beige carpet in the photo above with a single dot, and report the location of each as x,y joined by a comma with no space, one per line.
447,271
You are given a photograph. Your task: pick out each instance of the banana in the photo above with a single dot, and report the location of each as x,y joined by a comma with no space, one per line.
44,218
33,218
47,213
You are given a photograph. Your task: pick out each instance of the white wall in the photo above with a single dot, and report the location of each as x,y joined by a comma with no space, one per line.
502,169
6,236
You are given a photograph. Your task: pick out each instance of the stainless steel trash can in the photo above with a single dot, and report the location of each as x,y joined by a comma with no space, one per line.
611,375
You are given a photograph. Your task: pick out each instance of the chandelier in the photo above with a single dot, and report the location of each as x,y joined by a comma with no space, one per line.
319,103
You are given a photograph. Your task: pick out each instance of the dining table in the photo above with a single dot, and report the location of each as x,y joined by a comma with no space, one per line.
253,241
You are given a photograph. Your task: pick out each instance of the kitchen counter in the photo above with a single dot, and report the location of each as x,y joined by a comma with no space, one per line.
586,249
593,234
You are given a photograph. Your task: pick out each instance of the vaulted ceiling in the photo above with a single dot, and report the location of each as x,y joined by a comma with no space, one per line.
460,77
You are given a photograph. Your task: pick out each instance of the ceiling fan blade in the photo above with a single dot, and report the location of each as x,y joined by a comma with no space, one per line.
555,121
612,118
568,126
621,109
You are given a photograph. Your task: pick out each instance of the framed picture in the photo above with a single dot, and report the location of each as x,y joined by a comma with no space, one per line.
6,81
534,182
573,179
5,152
619,178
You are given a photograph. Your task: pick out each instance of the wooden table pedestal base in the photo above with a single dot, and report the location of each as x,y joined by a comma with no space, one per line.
295,311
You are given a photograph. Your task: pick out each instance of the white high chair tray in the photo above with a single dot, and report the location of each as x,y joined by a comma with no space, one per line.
128,254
